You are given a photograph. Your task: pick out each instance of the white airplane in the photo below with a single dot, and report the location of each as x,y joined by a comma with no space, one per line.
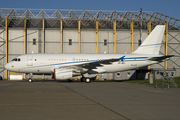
66,66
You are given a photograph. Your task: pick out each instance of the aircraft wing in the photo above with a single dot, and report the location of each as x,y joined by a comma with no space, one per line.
94,63
160,58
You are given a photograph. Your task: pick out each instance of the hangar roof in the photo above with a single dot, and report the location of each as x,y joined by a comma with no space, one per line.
70,18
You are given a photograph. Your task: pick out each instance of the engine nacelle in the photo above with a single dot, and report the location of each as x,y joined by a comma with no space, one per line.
64,74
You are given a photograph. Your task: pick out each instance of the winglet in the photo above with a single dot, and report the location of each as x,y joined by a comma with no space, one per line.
122,58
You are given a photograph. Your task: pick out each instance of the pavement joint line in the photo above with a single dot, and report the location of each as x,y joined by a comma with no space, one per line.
96,102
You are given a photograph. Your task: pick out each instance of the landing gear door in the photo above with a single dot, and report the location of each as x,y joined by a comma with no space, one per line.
30,60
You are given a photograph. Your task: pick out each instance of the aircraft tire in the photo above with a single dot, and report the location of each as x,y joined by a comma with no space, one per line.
88,80
83,79
30,80
69,80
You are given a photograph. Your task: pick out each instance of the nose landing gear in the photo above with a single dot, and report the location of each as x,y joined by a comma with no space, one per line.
30,80
30,76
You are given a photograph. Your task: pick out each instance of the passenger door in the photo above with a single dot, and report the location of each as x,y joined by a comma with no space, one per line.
30,60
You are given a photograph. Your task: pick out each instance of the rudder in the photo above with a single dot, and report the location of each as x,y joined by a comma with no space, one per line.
152,43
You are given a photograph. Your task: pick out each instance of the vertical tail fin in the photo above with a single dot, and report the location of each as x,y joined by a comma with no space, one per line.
152,43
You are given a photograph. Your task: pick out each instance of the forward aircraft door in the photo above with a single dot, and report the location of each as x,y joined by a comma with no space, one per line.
30,60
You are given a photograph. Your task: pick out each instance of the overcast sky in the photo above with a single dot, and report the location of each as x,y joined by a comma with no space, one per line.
170,8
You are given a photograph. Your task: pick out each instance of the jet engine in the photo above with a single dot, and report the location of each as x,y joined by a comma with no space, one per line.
64,74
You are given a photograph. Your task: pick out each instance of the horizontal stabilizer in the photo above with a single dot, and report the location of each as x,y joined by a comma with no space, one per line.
160,58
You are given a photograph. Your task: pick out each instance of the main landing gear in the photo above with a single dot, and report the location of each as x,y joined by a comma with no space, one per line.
83,79
87,80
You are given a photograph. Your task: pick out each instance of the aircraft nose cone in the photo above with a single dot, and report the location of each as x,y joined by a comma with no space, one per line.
7,66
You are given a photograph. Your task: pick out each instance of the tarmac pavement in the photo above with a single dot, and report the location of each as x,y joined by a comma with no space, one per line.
56,100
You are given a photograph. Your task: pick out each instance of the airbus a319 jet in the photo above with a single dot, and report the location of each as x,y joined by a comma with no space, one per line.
65,66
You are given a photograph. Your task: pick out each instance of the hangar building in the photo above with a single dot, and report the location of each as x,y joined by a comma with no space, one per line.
25,31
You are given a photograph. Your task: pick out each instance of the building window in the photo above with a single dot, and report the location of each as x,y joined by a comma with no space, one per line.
105,42
34,41
139,42
70,41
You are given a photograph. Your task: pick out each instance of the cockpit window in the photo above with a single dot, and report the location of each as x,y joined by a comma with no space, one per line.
16,59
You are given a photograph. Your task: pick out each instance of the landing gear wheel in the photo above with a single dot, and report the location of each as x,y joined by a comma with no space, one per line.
88,80
30,80
83,79
30,76
69,80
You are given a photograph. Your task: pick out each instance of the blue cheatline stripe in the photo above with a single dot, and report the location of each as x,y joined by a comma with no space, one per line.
89,61
150,45
136,58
